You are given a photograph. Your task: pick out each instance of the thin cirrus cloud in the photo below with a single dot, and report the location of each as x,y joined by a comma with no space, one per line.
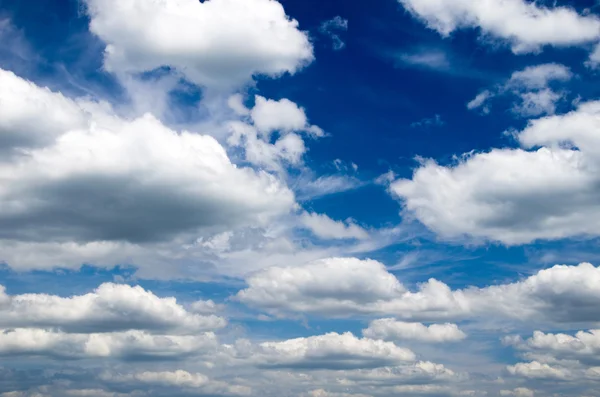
345,287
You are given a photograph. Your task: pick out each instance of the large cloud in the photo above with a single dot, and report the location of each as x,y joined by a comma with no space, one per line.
547,190
526,25
109,308
130,345
104,178
213,43
343,287
330,351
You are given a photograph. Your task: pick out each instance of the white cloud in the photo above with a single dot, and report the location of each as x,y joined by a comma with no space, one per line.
537,103
177,378
527,26
516,196
23,105
391,329
284,115
339,287
424,58
518,392
332,28
255,136
326,228
109,308
130,345
197,383
531,87
594,61
212,43
584,346
106,179
479,101
539,76
536,370
330,351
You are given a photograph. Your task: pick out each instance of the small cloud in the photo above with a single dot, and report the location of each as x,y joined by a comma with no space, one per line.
332,29
480,102
435,121
428,59
532,88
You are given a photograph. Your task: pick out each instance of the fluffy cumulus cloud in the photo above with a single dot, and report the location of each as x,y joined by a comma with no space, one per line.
128,345
273,133
526,25
544,190
531,89
329,351
78,173
164,381
344,287
212,43
109,308
326,228
557,357
390,329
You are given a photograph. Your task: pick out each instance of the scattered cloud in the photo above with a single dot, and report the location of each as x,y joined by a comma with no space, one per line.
332,28
525,26
240,39
516,196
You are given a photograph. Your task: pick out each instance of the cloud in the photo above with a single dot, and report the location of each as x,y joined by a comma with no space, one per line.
255,135
109,308
216,43
390,329
526,26
544,191
284,116
479,101
518,392
342,287
424,58
196,383
535,370
130,345
594,60
539,76
583,346
90,176
531,87
330,351
326,228
332,28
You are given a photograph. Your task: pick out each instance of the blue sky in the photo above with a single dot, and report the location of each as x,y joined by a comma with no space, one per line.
299,198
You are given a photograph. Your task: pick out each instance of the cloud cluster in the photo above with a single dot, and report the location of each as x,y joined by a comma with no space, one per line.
271,134
532,88
342,287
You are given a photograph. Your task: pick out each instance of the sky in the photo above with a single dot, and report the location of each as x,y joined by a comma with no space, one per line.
299,198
